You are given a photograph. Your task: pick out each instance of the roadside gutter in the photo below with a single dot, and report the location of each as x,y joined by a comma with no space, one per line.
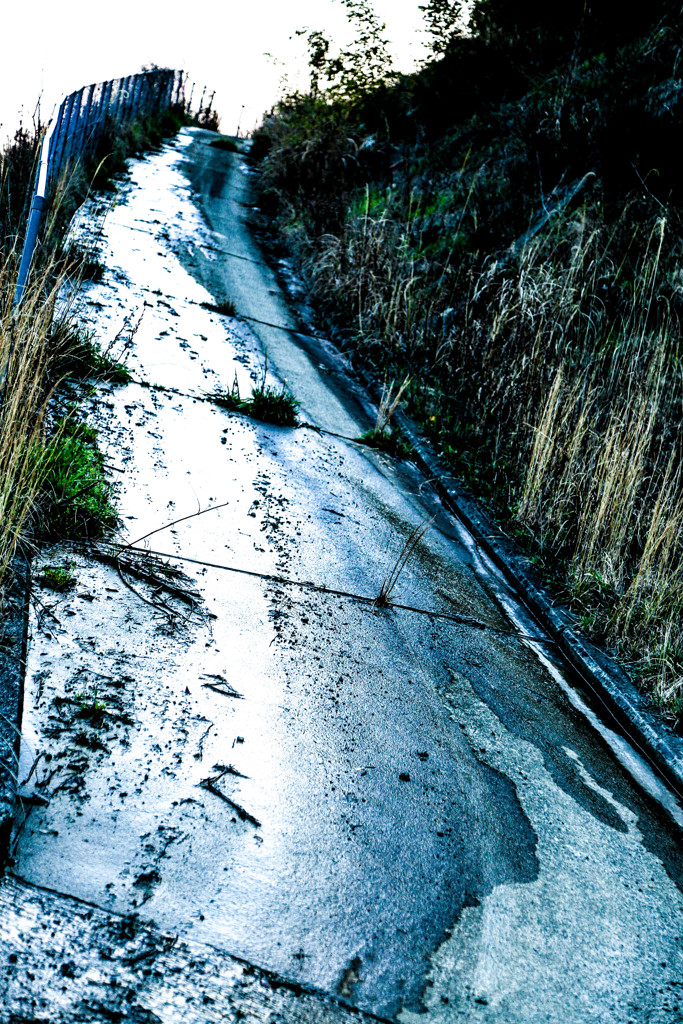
616,699
614,694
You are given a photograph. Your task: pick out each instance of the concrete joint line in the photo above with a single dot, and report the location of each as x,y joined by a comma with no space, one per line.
461,620
201,248
19,897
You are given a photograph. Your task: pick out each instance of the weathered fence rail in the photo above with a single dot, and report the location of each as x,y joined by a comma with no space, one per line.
79,123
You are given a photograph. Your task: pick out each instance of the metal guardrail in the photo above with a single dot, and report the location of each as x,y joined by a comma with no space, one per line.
78,125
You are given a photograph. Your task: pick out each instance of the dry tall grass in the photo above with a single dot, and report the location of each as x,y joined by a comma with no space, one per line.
561,370
25,359
33,350
603,484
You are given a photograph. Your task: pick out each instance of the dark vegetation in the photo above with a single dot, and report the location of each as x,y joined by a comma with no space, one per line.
225,143
17,169
78,355
505,226
225,308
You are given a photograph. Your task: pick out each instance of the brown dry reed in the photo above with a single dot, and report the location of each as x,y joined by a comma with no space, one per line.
26,356
575,400
30,356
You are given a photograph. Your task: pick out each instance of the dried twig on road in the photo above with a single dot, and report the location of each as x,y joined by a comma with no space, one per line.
220,685
210,784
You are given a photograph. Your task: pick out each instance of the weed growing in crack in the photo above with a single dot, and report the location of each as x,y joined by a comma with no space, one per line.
383,599
391,444
79,356
91,709
273,406
225,308
388,404
268,404
58,577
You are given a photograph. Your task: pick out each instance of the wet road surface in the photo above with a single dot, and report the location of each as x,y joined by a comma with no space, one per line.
393,806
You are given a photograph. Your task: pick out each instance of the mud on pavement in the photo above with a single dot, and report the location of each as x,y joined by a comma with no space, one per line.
396,806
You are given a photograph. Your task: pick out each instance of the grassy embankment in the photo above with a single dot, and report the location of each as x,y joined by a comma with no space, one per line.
544,363
52,481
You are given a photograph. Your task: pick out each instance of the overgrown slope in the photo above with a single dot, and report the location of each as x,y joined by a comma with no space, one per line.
52,482
505,227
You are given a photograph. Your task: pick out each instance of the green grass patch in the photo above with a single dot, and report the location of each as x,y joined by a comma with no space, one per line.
268,404
91,708
391,444
225,143
77,499
58,577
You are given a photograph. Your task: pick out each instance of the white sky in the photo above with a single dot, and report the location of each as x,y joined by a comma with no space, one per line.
55,46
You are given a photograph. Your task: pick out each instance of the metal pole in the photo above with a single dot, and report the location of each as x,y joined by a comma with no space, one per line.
106,109
137,93
114,107
35,215
99,117
182,94
144,95
150,81
54,137
179,87
82,122
125,96
132,90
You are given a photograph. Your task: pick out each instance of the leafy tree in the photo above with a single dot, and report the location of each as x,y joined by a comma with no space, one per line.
508,23
445,19
359,68
367,62
318,50
543,27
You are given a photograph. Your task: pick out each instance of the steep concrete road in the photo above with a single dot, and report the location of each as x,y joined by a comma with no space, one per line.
402,810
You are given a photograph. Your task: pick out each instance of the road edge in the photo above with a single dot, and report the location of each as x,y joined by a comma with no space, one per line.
13,649
629,709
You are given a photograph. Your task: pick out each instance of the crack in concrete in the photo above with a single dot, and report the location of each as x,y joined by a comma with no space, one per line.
463,620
